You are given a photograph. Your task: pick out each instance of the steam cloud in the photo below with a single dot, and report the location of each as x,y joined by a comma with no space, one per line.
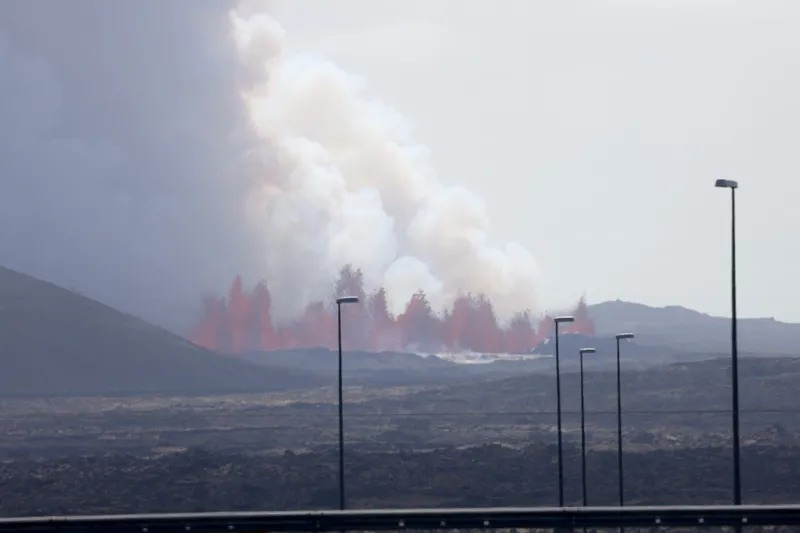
344,183
151,151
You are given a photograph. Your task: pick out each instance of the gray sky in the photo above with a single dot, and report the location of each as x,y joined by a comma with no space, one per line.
592,130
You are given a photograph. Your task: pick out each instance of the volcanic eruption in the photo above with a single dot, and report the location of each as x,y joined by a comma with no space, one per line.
212,149
243,322
337,179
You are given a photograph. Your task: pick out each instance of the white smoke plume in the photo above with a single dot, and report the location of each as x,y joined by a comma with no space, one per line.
345,175
151,151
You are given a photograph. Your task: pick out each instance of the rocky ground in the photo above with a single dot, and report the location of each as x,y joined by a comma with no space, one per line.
490,475
377,420
475,444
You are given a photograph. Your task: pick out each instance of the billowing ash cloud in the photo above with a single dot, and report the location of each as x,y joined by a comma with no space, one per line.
344,173
121,133
150,151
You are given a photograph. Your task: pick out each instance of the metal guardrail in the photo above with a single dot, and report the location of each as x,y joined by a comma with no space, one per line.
412,519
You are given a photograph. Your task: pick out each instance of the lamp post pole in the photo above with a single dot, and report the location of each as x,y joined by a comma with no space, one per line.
621,485
583,351
339,302
559,320
737,481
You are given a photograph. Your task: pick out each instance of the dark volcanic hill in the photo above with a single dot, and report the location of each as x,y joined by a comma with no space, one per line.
56,342
688,330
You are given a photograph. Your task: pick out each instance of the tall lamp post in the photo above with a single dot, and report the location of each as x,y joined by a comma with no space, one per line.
621,336
737,483
558,320
583,351
339,302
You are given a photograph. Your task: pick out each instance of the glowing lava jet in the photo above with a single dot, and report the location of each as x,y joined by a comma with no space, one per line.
243,323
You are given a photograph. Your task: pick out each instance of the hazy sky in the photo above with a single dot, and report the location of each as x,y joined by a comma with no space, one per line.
594,130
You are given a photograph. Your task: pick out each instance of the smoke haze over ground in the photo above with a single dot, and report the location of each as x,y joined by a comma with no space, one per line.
151,151
120,135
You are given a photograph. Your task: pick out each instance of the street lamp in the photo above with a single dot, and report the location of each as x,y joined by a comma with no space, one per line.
583,351
339,302
737,483
620,337
558,320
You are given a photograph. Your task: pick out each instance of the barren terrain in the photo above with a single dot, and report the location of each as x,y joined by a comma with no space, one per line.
477,443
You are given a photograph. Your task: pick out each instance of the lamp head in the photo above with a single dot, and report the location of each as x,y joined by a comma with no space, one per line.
347,300
587,350
621,336
726,184
560,319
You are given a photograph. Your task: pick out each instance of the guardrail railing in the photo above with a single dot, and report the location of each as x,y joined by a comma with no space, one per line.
416,519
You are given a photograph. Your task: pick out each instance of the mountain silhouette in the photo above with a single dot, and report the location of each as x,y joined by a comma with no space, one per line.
56,342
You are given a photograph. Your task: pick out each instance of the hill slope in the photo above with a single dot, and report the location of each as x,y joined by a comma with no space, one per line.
690,330
56,342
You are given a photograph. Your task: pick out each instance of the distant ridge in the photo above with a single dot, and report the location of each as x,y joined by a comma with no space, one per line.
685,329
56,342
